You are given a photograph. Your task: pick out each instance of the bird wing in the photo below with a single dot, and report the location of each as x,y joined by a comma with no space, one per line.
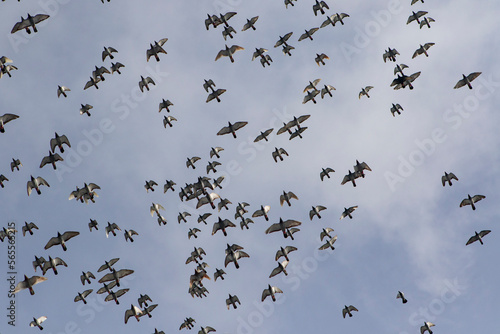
460,83
282,199
275,271
273,228
465,202
216,228
20,25
265,293
128,313
53,241
41,181
346,179
235,48
222,53
473,76
45,160
428,45
29,185
40,17
282,151
223,131
312,30
416,53
483,233
239,125
124,272
58,261
69,234
303,36
477,198
291,223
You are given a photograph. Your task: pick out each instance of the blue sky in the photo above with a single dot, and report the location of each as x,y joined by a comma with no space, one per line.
407,234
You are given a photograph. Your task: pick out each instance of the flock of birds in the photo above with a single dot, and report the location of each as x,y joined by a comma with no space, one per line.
202,191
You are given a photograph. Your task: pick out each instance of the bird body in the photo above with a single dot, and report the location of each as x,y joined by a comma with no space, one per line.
324,172
325,233
58,141
281,268
283,252
477,237
364,91
282,226
286,197
116,275
426,21
165,104
396,109
115,295
447,177
402,296
111,229
348,310
231,128
81,296
52,263
108,265
86,276
222,224
134,311
51,159
250,23
37,322
320,59
155,49
108,53
415,16
29,22
390,54
61,90
262,212
155,207
271,291
426,327
28,227
315,211
466,80
129,234
115,67
350,177
360,167
232,300
144,83
471,200
229,52
278,153
422,50
28,283
61,239
308,34
85,109
348,212
329,244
